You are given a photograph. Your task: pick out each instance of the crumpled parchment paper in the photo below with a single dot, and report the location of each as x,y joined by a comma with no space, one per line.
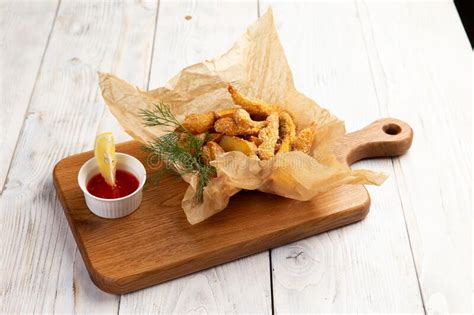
257,66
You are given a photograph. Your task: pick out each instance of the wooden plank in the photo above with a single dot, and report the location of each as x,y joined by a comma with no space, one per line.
24,34
133,58
189,32
366,267
207,291
132,62
422,71
39,272
137,251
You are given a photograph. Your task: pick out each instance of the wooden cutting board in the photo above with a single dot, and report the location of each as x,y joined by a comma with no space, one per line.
156,243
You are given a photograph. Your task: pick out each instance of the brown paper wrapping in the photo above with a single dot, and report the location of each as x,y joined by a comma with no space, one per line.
257,66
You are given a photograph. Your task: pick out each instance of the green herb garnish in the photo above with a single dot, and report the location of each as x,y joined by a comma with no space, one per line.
161,115
181,151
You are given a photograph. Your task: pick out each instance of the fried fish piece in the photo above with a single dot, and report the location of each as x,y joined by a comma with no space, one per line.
229,127
305,139
226,126
287,132
229,112
255,107
269,137
199,123
210,151
277,147
213,136
285,145
229,143
183,140
243,120
255,140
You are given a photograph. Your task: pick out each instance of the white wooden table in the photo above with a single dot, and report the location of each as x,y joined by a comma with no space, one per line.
362,60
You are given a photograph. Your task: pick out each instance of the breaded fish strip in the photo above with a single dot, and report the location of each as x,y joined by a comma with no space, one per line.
183,140
256,108
213,136
199,123
243,120
229,112
229,127
255,140
269,137
210,151
305,139
287,132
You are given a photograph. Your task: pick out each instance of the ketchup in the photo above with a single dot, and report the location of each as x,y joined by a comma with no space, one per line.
125,184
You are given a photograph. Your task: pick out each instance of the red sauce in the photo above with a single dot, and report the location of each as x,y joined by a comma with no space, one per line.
125,184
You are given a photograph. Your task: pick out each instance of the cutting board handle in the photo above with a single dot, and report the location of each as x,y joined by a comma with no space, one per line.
382,138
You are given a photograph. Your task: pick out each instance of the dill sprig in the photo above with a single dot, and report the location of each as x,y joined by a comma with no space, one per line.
160,115
181,151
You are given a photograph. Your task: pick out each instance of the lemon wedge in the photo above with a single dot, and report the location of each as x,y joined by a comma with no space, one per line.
104,151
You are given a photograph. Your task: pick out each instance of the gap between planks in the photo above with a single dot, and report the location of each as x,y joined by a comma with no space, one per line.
385,113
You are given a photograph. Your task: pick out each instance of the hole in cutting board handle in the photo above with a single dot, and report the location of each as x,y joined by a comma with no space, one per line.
392,129
383,137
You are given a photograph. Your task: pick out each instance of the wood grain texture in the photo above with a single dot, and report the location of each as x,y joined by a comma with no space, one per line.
24,34
133,56
366,267
39,270
422,71
131,61
156,243
362,61
384,137
241,286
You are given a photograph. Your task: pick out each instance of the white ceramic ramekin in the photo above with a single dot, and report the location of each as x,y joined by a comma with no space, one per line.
119,207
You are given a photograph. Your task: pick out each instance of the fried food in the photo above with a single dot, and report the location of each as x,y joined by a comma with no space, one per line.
305,139
210,151
243,120
229,112
256,108
229,143
277,147
285,145
255,140
287,132
229,127
239,129
183,140
199,123
269,137
213,136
